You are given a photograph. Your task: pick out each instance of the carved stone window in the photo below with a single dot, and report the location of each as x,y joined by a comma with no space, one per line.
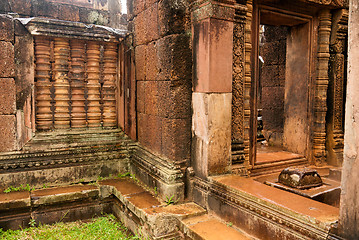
76,73
75,83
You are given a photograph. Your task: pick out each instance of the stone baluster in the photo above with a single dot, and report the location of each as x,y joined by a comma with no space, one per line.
44,116
61,69
320,105
109,85
93,85
78,112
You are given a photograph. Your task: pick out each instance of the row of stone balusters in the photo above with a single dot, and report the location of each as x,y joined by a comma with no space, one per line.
70,76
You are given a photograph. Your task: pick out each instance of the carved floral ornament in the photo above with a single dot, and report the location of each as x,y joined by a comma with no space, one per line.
337,3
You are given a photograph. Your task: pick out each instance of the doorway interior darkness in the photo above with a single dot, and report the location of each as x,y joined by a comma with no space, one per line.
280,101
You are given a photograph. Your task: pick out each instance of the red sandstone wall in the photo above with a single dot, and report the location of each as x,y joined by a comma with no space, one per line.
163,62
7,85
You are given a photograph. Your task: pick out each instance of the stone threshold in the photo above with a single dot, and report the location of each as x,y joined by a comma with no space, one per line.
135,206
293,214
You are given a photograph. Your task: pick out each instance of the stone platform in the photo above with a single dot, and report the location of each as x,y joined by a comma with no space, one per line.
139,209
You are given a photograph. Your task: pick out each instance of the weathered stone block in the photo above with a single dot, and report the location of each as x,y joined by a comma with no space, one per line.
46,9
4,6
174,99
24,69
175,57
93,16
141,61
7,133
149,131
151,97
275,33
69,13
149,3
272,97
146,25
22,7
176,138
270,53
140,29
211,130
6,29
152,22
141,96
152,62
138,6
7,63
173,17
270,76
7,96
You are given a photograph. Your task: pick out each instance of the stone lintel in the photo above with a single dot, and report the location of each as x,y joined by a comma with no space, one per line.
224,10
67,29
211,131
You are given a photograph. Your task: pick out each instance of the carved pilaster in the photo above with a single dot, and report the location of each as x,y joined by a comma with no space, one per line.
93,85
238,155
78,113
336,90
61,78
109,85
44,119
320,105
247,78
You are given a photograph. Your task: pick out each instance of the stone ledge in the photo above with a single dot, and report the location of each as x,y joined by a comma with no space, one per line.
63,194
263,212
67,29
14,200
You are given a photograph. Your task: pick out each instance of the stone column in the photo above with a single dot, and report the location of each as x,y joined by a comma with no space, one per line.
62,85
78,113
93,85
44,119
109,85
212,87
349,202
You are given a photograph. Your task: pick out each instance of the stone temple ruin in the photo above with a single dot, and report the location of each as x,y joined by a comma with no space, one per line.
179,116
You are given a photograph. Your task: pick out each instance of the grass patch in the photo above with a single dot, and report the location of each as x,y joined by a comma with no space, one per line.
99,228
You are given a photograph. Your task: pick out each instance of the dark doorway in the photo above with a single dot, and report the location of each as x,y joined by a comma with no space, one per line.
281,89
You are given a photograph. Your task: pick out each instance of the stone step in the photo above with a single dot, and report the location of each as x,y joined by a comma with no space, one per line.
138,208
207,227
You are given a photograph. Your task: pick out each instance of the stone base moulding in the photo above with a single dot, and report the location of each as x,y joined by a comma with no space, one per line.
157,173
